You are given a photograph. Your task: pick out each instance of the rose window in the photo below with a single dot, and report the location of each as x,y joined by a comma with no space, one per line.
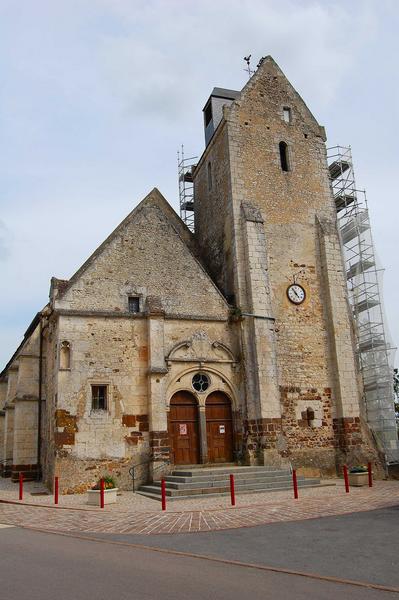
200,382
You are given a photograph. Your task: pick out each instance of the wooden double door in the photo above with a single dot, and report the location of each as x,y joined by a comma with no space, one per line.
185,431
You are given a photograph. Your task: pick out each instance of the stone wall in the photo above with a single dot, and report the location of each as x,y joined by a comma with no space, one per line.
148,255
26,401
24,456
49,399
2,433
310,347
112,352
213,235
3,391
3,395
8,440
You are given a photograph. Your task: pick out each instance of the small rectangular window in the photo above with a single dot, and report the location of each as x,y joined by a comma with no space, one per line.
99,397
134,304
287,114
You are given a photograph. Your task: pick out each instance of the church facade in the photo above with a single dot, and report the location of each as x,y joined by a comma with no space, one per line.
231,344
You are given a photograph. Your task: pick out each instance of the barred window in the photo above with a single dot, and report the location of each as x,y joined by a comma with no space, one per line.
134,304
99,397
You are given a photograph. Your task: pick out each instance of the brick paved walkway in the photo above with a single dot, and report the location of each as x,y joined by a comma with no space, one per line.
270,510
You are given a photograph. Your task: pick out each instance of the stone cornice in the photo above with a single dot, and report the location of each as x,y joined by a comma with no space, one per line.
110,314
182,317
26,398
126,315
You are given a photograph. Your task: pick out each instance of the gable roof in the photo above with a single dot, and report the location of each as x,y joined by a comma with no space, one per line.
269,64
153,199
34,323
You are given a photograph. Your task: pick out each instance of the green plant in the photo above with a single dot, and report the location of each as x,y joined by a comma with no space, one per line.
358,469
109,483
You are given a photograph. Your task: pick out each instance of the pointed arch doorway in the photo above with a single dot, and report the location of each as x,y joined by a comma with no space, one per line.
219,428
183,428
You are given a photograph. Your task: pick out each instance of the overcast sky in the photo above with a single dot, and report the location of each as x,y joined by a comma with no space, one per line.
96,96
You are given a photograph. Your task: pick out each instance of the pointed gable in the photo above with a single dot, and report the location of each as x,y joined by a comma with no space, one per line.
271,86
148,255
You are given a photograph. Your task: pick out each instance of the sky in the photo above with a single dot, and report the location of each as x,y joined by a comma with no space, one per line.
97,96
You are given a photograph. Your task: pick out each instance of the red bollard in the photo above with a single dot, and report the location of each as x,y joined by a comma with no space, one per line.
163,493
232,491
370,474
21,486
346,479
102,493
295,484
55,490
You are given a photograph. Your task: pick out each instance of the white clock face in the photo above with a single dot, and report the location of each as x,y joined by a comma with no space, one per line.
296,293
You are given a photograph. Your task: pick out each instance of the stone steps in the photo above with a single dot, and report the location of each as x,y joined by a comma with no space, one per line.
225,471
241,476
254,487
239,482
200,482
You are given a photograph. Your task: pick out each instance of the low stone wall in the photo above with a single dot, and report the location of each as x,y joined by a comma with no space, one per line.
77,475
323,449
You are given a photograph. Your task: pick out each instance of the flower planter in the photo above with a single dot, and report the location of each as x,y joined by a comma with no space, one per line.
94,496
358,479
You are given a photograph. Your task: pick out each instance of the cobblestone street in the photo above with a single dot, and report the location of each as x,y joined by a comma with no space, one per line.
139,515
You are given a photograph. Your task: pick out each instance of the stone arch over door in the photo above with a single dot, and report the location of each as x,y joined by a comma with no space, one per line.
183,428
219,427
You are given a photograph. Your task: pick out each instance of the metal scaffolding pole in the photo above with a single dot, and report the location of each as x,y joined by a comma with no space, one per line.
375,353
186,187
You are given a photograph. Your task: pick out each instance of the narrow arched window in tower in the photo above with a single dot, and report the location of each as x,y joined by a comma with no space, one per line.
65,355
209,176
284,156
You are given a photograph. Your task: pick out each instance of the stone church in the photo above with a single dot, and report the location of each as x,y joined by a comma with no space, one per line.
233,344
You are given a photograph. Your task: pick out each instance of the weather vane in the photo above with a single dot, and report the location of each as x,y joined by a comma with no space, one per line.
248,69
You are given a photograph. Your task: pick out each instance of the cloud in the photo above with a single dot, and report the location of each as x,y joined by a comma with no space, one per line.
163,55
4,241
97,96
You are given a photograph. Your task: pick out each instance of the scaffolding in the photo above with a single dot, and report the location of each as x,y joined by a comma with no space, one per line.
186,187
364,278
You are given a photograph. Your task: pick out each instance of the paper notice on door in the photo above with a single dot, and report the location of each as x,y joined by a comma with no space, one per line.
222,429
183,428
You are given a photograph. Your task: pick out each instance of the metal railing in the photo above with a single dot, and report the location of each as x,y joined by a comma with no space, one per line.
132,470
